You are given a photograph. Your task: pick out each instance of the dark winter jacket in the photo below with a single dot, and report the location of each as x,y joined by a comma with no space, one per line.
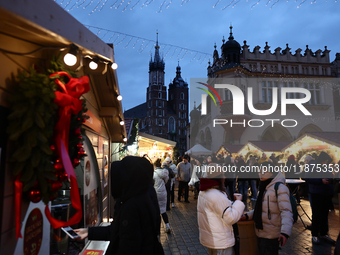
314,178
134,229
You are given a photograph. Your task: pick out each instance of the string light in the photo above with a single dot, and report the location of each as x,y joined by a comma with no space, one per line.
100,4
144,44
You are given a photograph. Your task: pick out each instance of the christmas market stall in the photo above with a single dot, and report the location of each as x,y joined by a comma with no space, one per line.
61,120
155,147
231,149
257,148
313,143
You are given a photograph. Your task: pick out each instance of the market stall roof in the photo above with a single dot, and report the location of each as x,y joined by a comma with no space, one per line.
143,137
270,145
47,26
233,148
198,150
332,138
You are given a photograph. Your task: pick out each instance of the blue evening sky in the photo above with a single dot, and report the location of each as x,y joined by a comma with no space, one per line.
197,25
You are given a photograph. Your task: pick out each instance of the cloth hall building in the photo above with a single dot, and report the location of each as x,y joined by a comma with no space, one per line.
262,71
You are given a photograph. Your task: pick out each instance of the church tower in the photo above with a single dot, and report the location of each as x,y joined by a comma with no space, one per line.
178,102
156,96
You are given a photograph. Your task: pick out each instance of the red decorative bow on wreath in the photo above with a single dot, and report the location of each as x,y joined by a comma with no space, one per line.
69,103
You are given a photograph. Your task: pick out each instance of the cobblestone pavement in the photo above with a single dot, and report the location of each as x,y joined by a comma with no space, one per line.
184,237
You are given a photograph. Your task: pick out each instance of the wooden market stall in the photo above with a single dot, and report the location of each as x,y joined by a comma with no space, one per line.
32,34
155,147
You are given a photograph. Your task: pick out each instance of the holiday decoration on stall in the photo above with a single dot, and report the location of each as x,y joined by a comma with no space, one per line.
45,127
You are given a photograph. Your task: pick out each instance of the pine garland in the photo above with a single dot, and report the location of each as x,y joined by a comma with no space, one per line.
31,124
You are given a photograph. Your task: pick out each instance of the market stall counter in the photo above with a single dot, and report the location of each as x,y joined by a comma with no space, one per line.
96,247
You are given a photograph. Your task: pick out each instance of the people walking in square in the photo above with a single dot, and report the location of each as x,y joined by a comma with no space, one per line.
216,214
273,214
320,187
184,175
173,168
161,177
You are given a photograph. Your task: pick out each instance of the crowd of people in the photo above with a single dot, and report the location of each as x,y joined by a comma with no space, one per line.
144,192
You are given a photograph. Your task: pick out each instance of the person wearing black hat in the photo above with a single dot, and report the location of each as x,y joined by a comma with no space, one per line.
136,222
184,175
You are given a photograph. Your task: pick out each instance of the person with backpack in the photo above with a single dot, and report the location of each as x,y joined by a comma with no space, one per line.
172,175
273,214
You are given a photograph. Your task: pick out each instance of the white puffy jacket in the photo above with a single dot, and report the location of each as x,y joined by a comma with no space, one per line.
215,223
161,176
280,217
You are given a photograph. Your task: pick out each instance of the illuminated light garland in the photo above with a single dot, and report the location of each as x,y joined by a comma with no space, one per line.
133,3
145,43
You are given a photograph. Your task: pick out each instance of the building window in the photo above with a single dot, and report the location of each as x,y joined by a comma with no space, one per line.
182,95
172,124
159,122
179,132
267,92
163,103
172,96
159,95
315,93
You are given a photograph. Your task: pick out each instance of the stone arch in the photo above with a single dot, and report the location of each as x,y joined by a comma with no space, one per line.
309,128
276,133
208,139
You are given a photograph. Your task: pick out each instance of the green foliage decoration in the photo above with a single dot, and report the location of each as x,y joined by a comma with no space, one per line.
31,124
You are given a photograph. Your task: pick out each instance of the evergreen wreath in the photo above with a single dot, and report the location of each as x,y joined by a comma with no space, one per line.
31,124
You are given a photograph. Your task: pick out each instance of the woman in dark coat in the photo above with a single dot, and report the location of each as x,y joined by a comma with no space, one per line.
136,223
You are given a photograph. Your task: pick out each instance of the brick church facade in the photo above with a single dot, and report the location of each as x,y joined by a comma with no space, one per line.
165,112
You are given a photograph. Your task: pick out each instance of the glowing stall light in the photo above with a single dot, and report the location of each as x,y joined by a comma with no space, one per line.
70,59
93,65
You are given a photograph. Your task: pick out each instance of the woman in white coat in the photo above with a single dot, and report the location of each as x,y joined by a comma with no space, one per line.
160,177
216,214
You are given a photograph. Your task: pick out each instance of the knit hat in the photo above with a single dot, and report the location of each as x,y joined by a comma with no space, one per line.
291,157
167,159
309,158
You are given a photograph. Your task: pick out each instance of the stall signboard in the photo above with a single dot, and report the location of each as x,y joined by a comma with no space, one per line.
36,232
91,196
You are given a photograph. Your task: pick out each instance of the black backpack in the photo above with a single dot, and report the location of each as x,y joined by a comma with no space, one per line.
171,173
292,202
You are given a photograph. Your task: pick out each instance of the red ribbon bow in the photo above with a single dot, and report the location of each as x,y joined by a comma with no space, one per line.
69,103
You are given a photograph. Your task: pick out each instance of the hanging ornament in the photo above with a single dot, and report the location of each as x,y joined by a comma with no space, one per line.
81,152
56,186
62,177
80,145
58,166
34,195
77,131
52,147
75,162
